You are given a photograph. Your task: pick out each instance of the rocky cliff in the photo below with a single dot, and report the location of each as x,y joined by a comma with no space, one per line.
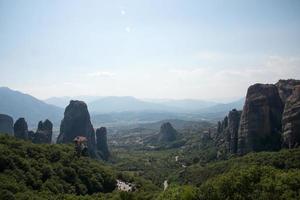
6,124
167,133
286,87
291,119
21,129
234,117
227,136
102,147
270,119
43,133
260,125
76,122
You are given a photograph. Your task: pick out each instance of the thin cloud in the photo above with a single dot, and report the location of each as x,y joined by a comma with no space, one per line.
209,56
101,74
128,29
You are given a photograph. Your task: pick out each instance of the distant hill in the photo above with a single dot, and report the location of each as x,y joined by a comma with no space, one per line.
61,102
112,110
110,104
212,113
17,104
224,107
126,103
188,105
64,101
176,123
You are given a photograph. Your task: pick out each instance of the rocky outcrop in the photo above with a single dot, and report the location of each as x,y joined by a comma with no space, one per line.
270,120
206,135
6,124
260,125
21,129
291,120
227,140
31,135
43,133
102,146
76,122
286,87
167,133
234,117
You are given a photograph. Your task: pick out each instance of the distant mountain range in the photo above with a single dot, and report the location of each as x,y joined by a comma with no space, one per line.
64,101
112,109
104,105
17,104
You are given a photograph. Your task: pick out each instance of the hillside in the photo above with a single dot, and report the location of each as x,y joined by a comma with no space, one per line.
31,171
194,170
17,104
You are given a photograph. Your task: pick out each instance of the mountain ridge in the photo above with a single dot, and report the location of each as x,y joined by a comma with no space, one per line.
18,104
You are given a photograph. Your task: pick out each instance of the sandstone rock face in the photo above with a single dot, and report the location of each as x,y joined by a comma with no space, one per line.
227,139
43,133
21,129
102,146
76,122
167,133
219,127
31,135
270,119
286,87
291,120
234,117
6,124
260,124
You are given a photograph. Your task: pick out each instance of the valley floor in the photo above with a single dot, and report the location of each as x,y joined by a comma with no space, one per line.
32,171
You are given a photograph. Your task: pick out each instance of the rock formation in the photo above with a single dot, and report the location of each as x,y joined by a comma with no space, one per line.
286,87
219,128
228,132
102,147
167,133
43,133
291,120
270,119
76,122
260,125
21,129
234,117
6,124
206,135
31,135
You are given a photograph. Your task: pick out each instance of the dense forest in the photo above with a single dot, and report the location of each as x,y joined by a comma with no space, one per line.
52,171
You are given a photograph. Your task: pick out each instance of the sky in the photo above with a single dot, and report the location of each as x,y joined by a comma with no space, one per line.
175,49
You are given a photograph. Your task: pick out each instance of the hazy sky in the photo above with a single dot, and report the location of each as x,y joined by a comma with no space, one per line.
147,48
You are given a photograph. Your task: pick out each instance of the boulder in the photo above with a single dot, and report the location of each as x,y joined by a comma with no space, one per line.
76,122
167,133
291,120
260,124
6,124
21,129
102,146
43,133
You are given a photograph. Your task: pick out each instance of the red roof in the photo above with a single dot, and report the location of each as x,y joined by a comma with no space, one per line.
80,139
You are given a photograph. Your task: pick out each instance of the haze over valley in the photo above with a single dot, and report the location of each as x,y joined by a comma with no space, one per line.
150,100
